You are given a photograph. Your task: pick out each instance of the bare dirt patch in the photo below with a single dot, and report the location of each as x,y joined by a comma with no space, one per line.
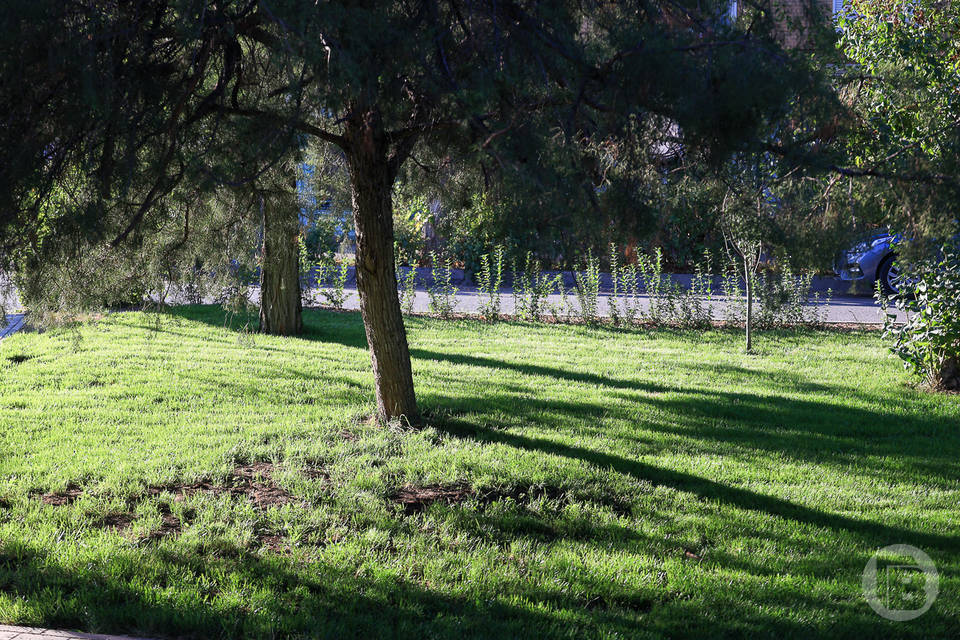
253,481
170,525
60,498
118,520
315,472
272,542
415,499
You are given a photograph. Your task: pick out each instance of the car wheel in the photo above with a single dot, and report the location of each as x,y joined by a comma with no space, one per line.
888,273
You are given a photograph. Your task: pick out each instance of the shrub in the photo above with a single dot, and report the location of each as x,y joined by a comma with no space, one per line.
531,291
655,285
320,240
410,219
929,340
782,297
331,282
629,281
407,283
489,279
669,302
588,289
735,309
616,275
693,305
442,292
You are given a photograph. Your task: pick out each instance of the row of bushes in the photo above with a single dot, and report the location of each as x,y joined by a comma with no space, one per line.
637,293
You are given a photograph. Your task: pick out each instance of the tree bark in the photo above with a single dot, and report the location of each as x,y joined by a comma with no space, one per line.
280,303
372,178
948,375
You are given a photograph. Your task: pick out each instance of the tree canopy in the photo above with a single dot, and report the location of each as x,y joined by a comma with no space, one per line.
116,112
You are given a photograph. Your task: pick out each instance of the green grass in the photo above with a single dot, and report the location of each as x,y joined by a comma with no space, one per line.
627,483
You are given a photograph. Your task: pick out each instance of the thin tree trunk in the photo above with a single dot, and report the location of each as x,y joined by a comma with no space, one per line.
372,183
748,279
280,304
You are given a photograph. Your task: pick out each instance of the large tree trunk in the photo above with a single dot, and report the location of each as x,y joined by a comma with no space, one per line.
948,375
372,182
280,305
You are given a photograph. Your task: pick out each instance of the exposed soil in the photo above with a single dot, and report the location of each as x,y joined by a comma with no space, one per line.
169,524
415,499
60,498
18,358
252,481
118,520
272,542
316,472
525,493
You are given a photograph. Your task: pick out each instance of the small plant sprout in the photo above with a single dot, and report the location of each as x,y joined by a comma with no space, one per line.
489,279
442,292
407,283
588,290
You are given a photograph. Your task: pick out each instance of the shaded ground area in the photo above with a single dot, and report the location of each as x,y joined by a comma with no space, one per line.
177,476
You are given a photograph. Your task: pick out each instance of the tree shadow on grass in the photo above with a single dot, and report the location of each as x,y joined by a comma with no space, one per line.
811,429
218,590
873,533
268,597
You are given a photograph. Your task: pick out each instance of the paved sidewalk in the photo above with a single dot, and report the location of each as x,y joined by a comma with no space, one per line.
27,633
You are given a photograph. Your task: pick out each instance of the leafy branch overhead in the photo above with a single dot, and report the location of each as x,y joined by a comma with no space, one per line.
144,98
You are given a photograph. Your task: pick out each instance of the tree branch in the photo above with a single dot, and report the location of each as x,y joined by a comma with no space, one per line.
299,125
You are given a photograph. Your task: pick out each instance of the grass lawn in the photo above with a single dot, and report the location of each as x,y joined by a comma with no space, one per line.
165,475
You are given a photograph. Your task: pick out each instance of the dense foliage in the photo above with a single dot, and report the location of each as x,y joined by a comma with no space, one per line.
903,91
929,340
